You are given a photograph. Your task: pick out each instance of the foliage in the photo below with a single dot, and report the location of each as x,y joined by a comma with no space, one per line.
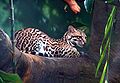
45,15
105,46
109,1
9,78
88,5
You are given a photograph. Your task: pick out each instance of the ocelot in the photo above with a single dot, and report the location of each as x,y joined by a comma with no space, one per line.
34,41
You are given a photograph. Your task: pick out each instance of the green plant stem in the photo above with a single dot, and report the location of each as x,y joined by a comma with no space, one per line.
106,39
104,72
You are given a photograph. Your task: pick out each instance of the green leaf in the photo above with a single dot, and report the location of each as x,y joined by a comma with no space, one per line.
113,2
102,56
109,1
7,77
106,39
110,21
1,80
109,24
104,72
88,5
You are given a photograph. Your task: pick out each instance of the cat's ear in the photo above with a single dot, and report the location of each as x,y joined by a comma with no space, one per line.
84,30
71,28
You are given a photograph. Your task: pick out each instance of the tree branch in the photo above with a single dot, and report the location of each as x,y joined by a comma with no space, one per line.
35,69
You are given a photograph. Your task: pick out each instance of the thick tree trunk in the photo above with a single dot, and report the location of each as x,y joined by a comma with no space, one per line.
100,15
36,69
114,73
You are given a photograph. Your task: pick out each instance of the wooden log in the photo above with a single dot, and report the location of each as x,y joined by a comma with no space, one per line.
37,69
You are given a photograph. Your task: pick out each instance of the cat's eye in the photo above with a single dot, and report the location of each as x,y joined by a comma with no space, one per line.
75,39
79,36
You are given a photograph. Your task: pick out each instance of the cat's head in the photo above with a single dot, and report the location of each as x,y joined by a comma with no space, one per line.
75,36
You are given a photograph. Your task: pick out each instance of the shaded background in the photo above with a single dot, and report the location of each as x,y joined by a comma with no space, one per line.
47,15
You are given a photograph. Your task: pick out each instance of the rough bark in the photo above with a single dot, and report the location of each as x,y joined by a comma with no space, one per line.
114,73
100,15
36,69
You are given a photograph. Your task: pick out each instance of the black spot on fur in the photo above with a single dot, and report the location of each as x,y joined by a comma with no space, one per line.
56,52
52,52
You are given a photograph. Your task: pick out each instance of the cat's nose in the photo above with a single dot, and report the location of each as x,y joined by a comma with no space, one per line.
84,43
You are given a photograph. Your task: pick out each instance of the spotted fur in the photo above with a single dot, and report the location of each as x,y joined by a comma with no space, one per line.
34,41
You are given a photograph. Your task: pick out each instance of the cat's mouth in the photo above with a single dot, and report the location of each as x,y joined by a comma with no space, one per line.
81,43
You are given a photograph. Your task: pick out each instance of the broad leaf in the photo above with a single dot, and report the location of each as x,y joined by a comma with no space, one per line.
7,77
88,5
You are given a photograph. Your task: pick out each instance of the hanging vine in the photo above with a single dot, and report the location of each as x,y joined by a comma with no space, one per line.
12,33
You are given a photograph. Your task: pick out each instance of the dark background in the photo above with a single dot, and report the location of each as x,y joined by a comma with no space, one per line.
47,15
